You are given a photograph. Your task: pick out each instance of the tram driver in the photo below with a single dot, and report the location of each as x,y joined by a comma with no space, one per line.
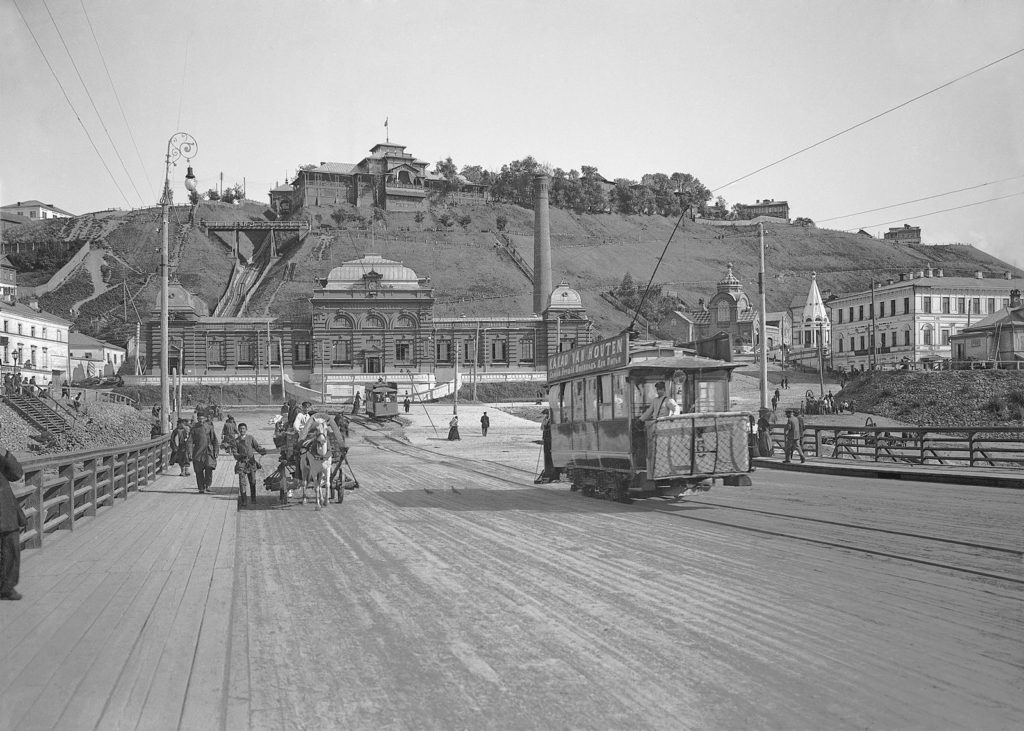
662,405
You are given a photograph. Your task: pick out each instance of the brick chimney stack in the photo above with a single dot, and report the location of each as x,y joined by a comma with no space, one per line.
541,244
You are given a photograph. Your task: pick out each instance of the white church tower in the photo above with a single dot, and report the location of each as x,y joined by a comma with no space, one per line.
815,328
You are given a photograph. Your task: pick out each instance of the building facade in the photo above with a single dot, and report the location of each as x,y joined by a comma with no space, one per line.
905,234
913,319
35,210
371,318
729,312
772,208
388,177
812,332
997,339
8,280
33,343
92,358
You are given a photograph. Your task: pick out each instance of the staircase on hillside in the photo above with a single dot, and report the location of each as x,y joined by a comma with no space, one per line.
504,244
36,412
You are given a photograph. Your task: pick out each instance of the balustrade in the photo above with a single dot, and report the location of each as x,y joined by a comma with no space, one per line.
60,489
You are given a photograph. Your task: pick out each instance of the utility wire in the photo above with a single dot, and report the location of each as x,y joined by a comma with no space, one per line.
935,213
918,200
870,119
116,96
92,101
70,104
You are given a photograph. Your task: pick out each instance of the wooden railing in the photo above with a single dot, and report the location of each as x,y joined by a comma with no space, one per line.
1001,447
60,489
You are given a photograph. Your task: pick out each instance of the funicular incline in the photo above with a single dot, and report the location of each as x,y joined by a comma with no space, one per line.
255,247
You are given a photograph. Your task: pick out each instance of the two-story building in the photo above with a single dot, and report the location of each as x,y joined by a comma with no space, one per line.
92,358
905,234
388,177
35,210
773,208
912,319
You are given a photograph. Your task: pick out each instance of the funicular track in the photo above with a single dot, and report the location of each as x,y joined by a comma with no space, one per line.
994,562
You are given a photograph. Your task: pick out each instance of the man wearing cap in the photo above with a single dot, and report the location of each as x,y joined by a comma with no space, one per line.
662,405
793,436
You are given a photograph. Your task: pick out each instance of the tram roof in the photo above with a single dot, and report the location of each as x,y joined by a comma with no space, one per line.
679,363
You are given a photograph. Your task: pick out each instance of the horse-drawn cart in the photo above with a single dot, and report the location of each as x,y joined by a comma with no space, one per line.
313,458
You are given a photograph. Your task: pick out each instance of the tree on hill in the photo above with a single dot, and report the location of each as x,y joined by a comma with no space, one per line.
449,172
804,222
515,181
476,174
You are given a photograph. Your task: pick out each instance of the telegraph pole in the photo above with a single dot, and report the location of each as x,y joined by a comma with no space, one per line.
764,323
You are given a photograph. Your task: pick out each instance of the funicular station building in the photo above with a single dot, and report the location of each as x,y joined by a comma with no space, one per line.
371,318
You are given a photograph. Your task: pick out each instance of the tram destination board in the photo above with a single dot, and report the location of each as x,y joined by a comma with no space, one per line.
600,356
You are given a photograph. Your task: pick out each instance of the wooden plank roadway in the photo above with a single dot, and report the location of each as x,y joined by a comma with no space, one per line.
502,604
125,621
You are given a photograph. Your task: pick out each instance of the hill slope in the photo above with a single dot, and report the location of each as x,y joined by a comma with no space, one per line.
469,275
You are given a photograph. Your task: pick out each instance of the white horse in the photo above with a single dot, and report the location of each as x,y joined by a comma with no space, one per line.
315,467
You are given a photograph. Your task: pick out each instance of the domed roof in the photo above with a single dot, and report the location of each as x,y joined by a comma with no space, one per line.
374,267
729,282
563,297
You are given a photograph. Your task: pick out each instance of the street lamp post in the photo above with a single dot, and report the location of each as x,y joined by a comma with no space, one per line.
182,145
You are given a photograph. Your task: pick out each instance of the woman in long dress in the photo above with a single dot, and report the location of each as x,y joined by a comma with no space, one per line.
453,429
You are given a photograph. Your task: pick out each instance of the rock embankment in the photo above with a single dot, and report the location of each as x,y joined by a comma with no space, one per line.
942,398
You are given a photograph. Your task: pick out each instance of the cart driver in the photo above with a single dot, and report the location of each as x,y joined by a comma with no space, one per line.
662,405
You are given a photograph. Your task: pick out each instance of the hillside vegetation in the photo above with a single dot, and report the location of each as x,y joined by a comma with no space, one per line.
455,246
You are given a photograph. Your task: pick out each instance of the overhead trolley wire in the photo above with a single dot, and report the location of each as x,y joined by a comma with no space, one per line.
871,119
113,88
70,104
918,200
88,94
944,210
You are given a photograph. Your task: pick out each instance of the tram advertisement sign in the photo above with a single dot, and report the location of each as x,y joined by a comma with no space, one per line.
600,356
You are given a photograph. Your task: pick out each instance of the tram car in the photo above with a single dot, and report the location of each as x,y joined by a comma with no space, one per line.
381,400
597,395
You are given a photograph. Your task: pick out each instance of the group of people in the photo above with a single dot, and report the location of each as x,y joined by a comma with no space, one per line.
195,448
17,385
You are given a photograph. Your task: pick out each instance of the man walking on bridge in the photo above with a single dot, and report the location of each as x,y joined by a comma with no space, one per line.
205,451
794,434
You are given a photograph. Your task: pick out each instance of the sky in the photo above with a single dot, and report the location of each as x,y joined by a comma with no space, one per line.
718,90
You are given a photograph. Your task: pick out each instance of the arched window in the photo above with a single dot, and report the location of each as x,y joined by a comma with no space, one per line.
342,321
723,312
374,322
926,335
405,322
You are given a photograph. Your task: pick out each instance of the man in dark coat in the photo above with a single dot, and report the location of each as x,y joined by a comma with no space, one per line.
205,450
485,423
12,522
794,434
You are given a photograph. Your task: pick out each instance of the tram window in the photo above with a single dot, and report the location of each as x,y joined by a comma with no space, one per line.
579,400
711,396
619,395
592,398
559,399
605,397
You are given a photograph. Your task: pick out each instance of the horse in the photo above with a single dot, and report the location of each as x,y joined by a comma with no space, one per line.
315,467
